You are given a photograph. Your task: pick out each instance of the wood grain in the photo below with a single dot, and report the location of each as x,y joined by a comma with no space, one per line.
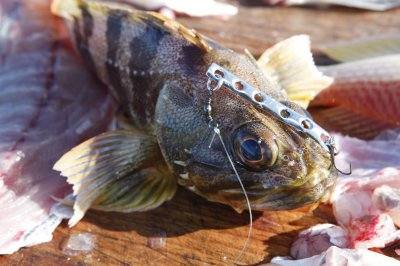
198,232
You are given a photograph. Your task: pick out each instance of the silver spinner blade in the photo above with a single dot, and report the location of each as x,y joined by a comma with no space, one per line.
222,77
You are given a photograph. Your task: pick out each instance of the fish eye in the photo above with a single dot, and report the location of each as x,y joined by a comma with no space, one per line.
251,150
254,152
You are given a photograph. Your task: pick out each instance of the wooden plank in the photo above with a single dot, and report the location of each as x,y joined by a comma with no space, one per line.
257,28
197,231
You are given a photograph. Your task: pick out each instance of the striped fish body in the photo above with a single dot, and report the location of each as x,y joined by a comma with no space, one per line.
135,53
364,98
156,69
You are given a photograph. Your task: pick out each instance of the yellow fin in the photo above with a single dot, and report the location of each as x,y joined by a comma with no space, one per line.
116,171
291,65
364,48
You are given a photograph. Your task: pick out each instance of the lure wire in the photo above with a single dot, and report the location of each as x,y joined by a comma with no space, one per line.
245,195
216,131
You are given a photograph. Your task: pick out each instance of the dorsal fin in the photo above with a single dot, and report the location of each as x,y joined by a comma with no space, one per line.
189,34
70,8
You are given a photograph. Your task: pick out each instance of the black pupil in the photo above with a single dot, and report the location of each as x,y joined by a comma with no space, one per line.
251,150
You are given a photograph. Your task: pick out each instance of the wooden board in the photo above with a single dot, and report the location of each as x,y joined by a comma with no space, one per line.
193,230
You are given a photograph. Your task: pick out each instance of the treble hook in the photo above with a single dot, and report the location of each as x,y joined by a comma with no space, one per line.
333,154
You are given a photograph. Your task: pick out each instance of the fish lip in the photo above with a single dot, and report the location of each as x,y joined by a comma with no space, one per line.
288,199
329,180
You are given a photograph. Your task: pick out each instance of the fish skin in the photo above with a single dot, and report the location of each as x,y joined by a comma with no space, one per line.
365,90
156,69
44,112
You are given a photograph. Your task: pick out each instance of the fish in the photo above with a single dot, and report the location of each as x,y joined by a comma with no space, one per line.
364,98
156,69
44,112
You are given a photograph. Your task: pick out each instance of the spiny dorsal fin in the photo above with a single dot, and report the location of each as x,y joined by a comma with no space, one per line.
70,8
291,65
364,48
189,34
116,171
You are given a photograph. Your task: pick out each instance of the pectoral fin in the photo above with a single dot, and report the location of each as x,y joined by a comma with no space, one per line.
117,171
291,64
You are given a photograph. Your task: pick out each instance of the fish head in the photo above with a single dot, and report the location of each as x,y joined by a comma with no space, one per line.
279,166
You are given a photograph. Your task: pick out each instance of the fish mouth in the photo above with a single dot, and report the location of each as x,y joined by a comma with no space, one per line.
317,188
313,191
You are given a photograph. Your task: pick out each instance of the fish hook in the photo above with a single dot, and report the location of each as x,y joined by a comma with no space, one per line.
333,154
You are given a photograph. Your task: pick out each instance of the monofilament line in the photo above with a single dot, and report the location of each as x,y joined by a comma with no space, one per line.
217,131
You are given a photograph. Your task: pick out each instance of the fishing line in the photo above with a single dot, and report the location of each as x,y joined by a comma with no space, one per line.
214,125
217,131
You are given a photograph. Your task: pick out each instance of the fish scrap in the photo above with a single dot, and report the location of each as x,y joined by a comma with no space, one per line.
366,205
54,114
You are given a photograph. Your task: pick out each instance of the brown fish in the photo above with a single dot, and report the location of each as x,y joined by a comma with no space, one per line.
156,69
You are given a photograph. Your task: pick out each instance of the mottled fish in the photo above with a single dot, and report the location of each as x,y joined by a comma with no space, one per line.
156,69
